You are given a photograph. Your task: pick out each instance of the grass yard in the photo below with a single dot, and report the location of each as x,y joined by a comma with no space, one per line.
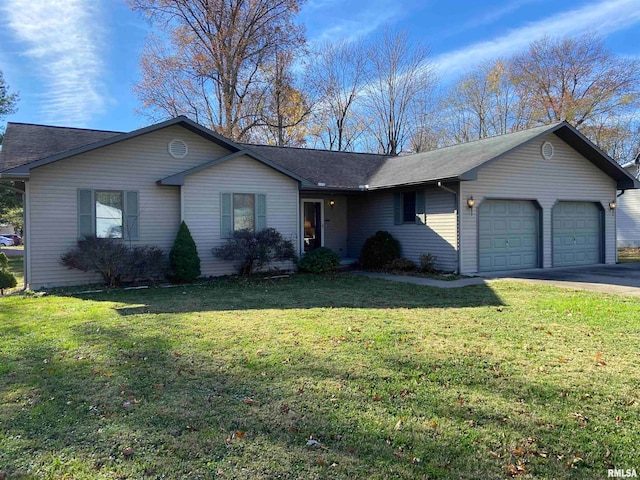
626,255
233,380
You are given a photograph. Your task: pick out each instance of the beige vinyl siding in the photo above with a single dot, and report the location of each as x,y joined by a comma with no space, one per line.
134,164
335,221
373,211
201,194
628,216
525,175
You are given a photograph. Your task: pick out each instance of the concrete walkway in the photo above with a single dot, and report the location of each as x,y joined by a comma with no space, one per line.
621,279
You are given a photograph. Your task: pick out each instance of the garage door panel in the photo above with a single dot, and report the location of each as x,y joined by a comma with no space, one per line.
508,235
576,234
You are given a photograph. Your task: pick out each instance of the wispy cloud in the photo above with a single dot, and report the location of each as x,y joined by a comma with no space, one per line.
603,17
63,45
349,26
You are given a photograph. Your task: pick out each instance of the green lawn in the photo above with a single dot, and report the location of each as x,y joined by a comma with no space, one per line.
232,379
626,255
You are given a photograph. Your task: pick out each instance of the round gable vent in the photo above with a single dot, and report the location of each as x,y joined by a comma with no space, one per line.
547,150
178,148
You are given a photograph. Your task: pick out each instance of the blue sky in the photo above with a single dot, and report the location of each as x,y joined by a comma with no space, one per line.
74,61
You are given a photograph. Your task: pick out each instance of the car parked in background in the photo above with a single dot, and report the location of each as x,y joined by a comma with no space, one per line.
17,239
6,242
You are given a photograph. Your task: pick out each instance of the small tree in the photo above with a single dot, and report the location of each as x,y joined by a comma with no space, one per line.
183,258
7,279
253,250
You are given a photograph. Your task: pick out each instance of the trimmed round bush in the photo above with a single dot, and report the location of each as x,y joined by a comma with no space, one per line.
379,250
319,260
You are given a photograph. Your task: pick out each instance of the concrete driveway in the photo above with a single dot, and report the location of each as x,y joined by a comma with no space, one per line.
623,278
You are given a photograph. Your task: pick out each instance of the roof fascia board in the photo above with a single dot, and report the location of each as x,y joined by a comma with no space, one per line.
14,176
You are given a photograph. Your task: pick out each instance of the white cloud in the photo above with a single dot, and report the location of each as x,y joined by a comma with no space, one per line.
605,17
348,25
63,45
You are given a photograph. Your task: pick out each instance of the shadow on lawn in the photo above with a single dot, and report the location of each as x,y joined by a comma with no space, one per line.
299,292
188,414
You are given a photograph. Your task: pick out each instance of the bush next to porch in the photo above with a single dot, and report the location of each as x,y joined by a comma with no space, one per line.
379,250
251,251
319,260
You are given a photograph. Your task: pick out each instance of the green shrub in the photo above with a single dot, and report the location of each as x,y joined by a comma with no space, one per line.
184,263
379,250
115,261
252,250
401,265
7,279
319,260
427,263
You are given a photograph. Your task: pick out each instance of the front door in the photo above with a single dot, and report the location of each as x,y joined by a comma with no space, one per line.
312,222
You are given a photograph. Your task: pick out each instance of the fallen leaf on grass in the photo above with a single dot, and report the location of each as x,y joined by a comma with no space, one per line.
599,361
377,398
515,470
399,425
127,452
249,401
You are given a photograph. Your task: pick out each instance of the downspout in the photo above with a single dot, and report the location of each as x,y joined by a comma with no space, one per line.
458,222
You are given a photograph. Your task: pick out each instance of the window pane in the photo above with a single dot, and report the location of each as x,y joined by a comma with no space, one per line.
108,214
409,207
243,211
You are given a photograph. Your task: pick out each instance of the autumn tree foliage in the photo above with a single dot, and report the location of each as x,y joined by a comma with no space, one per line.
574,79
283,107
212,66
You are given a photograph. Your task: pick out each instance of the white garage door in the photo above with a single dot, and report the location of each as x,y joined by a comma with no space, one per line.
577,234
508,232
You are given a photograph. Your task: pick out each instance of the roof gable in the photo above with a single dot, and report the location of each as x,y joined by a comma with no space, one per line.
462,161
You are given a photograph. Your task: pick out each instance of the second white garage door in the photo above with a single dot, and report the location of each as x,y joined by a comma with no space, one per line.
508,232
577,234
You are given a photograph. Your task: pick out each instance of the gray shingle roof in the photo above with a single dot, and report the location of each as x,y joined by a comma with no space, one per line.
342,170
28,142
451,162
